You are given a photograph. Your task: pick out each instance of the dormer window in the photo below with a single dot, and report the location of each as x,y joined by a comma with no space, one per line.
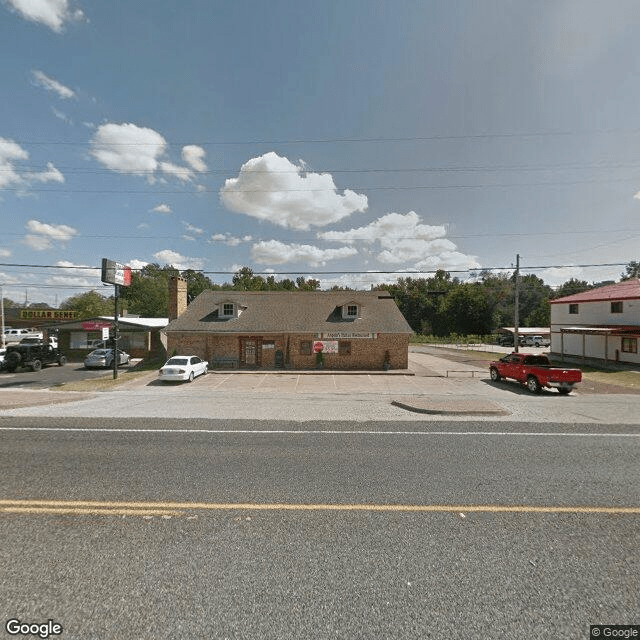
228,309
351,311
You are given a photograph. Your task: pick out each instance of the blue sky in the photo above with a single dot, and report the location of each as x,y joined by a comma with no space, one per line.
308,137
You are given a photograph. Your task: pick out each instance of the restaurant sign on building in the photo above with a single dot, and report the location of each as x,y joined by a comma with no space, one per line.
48,314
345,335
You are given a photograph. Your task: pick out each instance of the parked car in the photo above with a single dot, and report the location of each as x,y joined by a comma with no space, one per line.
537,341
16,335
535,371
181,368
34,356
3,352
104,358
53,341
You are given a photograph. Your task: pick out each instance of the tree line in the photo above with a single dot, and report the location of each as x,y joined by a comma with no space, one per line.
440,305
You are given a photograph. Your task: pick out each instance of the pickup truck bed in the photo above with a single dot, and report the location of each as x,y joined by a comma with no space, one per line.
535,371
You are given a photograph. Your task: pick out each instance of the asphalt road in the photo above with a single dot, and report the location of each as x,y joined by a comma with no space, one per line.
51,376
237,529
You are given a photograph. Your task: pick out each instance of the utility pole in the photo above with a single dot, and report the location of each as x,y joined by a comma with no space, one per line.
2,314
115,333
516,310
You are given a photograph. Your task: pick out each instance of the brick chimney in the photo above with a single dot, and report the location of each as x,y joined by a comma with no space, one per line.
177,297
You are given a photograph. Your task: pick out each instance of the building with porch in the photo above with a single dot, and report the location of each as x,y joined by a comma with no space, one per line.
601,325
272,329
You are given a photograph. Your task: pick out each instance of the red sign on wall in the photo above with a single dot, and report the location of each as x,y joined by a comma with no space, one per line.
95,326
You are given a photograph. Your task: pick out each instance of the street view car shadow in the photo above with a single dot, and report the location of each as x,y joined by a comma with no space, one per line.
520,389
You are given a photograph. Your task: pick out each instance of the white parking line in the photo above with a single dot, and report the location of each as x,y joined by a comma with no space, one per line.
352,432
222,381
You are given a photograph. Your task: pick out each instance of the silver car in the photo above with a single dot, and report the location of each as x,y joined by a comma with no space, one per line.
104,358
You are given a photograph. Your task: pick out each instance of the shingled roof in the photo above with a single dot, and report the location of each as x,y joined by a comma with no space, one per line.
292,312
625,290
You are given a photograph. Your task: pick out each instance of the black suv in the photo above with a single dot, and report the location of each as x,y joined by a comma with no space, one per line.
32,355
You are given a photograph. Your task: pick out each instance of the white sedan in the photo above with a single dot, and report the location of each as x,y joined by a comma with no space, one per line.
182,368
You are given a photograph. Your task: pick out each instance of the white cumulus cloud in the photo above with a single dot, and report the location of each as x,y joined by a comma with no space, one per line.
127,148
50,84
272,188
276,252
194,157
173,258
404,239
50,175
10,153
162,208
52,13
228,239
11,174
182,173
42,235
79,275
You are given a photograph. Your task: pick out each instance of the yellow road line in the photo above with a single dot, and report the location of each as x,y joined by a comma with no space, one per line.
78,511
173,508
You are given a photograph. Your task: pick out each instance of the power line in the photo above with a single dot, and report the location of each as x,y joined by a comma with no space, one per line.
500,185
410,271
354,238
346,139
463,169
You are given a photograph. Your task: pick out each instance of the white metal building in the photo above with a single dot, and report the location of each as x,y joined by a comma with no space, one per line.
602,324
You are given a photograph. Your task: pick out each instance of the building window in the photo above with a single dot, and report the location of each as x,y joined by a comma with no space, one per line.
227,309
344,348
573,308
630,345
352,310
616,307
305,348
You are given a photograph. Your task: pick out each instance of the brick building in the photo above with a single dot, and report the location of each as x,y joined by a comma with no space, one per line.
272,329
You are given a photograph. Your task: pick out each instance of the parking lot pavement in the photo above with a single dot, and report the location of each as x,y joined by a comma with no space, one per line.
440,389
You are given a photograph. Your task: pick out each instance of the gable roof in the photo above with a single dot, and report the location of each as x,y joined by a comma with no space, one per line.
626,290
292,312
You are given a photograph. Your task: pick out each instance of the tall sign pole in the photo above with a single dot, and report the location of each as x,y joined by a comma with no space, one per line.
115,332
2,314
516,310
118,275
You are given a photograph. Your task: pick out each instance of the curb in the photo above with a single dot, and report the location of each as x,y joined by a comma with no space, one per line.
451,408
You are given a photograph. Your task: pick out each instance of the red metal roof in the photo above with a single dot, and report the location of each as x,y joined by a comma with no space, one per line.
627,290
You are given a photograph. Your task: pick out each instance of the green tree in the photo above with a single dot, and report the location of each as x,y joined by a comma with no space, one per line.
534,296
500,290
245,280
89,305
571,287
148,294
632,270
197,282
468,309
307,285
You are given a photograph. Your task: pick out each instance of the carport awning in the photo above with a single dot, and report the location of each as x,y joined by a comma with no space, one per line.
618,330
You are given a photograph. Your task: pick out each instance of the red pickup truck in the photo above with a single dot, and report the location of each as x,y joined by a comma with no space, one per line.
535,372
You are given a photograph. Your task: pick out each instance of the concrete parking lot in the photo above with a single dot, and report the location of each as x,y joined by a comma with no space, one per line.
437,388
